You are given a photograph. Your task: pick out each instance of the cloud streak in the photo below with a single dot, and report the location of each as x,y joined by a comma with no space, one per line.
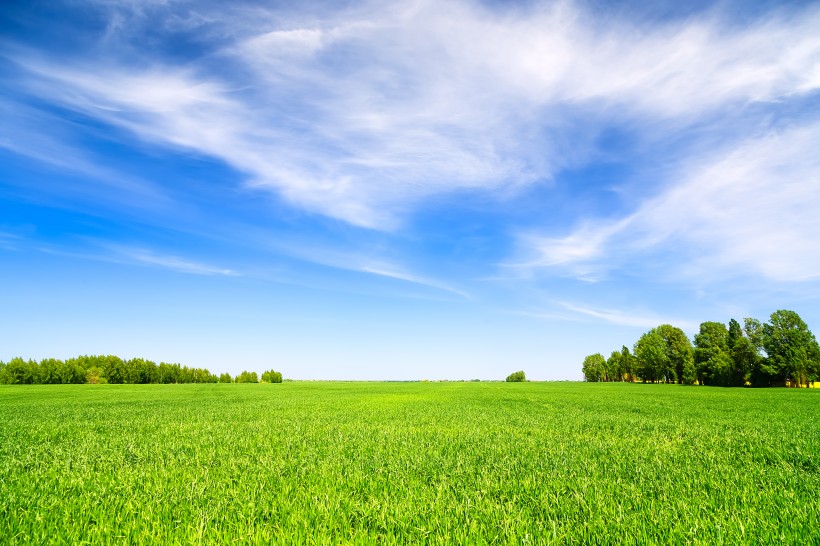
628,318
748,209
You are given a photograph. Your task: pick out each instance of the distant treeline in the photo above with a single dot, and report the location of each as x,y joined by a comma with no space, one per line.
113,369
781,352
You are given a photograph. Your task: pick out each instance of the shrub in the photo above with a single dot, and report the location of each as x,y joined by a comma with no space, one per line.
517,377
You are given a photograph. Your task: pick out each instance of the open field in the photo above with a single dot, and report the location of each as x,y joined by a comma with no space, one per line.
408,463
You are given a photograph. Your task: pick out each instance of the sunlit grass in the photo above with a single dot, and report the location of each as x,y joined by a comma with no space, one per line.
436,463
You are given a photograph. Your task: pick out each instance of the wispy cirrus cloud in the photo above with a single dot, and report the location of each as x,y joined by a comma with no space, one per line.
174,263
747,209
141,256
630,317
138,255
369,263
362,112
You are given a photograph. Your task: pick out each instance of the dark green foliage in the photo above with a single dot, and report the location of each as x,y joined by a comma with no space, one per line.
225,378
516,377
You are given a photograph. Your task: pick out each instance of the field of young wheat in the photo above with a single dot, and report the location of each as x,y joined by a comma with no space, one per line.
437,463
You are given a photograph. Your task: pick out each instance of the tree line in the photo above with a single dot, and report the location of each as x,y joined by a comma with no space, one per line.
99,369
781,352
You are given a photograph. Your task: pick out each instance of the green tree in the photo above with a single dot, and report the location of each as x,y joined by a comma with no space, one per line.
113,368
21,372
185,375
516,377
50,371
95,376
650,352
713,361
167,373
594,368
614,367
665,354
738,351
680,354
225,378
141,371
753,332
271,376
791,349
247,377
71,372
628,364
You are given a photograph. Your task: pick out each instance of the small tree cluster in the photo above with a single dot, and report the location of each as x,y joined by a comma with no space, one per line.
516,377
780,352
271,376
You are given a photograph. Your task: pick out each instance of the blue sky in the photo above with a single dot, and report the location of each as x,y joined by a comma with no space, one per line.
401,190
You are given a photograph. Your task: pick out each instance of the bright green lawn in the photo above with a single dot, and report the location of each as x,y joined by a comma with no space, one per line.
446,463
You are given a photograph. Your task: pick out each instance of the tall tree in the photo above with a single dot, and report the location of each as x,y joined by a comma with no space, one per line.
680,354
792,353
593,367
614,367
272,376
665,354
628,364
651,356
20,372
738,351
113,368
50,371
72,372
758,373
712,359
141,371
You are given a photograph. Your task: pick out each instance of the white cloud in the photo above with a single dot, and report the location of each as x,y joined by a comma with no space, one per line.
362,112
749,209
8,241
142,256
629,318
389,271
368,263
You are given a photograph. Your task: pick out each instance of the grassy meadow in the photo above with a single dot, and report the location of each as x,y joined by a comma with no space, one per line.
410,463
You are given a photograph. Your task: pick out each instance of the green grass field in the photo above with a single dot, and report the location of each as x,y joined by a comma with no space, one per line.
441,463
